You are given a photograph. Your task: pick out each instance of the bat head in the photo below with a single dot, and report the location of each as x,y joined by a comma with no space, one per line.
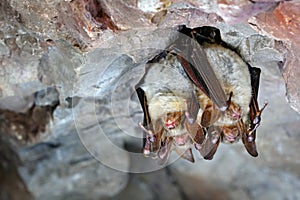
230,133
173,119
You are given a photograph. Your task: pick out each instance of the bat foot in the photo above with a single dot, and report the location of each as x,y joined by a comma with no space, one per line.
150,135
264,106
146,152
197,146
146,149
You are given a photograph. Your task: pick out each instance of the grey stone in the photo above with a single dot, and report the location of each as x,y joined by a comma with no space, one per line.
71,159
58,68
65,166
46,97
4,51
51,51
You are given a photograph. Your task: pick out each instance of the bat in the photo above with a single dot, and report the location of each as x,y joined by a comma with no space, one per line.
197,93
229,99
165,105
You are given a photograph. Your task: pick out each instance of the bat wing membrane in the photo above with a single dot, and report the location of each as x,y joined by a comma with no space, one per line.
249,139
198,68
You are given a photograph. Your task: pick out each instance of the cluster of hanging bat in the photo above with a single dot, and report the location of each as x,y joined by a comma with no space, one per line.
198,93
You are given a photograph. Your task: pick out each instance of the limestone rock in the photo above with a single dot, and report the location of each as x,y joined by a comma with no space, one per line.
283,23
68,71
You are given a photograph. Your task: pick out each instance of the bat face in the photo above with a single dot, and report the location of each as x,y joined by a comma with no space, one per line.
173,120
197,93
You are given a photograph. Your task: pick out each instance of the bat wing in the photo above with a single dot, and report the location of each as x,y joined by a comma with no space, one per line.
151,146
197,66
143,100
249,139
254,108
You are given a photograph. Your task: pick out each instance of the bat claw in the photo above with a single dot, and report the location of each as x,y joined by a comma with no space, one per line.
144,129
141,125
264,106
146,152
150,135
197,146
146,149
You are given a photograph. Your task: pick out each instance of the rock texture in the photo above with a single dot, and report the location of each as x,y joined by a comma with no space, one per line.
282,23
69,114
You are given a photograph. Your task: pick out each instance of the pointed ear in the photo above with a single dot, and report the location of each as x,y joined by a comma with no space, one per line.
165,150
195,131
185,153
211,143
158,134
229,99
248,139
210,115
249,143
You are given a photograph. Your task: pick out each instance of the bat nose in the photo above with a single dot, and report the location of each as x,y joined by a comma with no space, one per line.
170,124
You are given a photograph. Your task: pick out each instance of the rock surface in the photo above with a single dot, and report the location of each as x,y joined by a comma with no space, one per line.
69,114
282,23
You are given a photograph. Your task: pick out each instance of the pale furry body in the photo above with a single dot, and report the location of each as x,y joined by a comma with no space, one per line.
165,96
233,74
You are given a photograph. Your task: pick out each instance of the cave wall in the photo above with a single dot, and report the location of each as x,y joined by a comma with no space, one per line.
69,114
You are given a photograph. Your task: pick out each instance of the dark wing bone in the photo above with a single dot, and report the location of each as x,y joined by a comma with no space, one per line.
197,66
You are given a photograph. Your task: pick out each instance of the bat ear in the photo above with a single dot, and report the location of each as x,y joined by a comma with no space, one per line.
211,143
209,116
195,131
229,100
208,34
165,150
185,153
249,143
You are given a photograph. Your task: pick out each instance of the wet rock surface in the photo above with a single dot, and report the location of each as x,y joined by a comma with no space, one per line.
69,114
